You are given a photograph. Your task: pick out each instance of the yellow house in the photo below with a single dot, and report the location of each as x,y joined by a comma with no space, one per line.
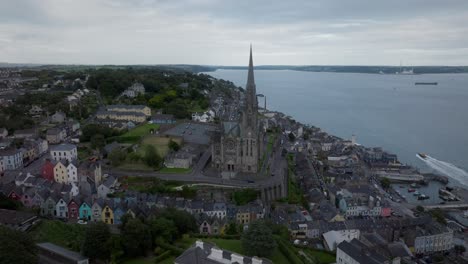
338,218
60,173
107,215
243,217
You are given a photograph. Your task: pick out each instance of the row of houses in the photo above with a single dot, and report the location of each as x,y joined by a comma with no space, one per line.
134,113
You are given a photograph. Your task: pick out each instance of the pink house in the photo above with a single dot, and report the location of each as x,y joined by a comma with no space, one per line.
386,212
205,228
27,199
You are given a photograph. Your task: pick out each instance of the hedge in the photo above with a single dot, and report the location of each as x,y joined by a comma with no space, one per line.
175,250
290,255
166,254
236,237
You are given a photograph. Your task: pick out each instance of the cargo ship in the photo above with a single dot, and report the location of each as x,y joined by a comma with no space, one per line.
425,83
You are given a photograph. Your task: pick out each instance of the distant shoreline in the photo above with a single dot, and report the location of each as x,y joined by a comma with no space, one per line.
384,70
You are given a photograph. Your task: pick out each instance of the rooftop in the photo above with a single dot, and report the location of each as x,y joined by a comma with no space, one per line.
63,147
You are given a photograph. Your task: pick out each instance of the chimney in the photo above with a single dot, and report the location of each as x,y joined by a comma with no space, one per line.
216,253
237,258
199,244
256,260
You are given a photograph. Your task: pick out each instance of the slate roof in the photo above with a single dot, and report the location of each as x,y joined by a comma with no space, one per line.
198,255
63,147
61,251
360,253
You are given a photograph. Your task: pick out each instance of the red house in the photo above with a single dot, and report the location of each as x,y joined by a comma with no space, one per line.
16,194
73,210
47,170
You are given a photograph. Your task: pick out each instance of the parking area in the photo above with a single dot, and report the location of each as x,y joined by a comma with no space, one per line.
195,133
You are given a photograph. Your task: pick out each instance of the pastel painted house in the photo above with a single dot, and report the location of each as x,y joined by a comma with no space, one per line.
96,211
107,215
85,211
205,228
119,211
73,210
61,209
60,173
47,170
48,207
72,173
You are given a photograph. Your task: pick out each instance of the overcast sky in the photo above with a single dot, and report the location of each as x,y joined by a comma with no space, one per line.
218,32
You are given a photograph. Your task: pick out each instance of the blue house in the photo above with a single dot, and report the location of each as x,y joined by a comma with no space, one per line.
163,119
85,211
118,213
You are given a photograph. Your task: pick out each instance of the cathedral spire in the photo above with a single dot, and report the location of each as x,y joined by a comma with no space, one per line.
250,78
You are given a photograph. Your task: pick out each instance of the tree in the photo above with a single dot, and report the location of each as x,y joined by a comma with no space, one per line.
16,247
420,209
162,228
116,157
97,141
152,158
385,182
232,229
96,241
173,145
135,238
460,249
291,137
184,221
258,240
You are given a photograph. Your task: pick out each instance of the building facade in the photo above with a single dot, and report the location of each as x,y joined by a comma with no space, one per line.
238,146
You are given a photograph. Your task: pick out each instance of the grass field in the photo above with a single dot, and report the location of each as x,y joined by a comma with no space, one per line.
141,131
160,143
322,256
66,235
148,260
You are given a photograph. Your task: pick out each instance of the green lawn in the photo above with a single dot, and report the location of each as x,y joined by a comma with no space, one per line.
160,143
322,256
148,260
175,170
141,131
57,232
128,165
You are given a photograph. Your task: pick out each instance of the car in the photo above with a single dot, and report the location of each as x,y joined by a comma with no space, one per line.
82,222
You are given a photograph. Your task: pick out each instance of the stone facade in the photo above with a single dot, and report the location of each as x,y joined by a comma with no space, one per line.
238,146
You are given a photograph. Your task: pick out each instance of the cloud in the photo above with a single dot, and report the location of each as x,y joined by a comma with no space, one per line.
419,32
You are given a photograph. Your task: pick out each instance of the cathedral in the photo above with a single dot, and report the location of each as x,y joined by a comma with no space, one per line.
238,146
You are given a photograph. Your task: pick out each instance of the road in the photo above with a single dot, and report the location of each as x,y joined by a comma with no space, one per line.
196,175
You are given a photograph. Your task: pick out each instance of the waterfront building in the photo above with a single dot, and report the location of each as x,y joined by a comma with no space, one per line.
433,238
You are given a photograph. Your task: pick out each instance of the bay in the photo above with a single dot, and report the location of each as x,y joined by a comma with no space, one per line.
387,111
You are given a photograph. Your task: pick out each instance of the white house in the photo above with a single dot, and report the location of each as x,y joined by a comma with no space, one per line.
204,117
12,159
61,209
58,117
433,238
64,151
72,172
334,238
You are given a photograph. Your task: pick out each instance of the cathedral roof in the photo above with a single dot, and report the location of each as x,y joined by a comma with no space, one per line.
231,129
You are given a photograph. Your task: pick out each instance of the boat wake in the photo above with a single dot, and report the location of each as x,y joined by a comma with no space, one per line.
446,168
